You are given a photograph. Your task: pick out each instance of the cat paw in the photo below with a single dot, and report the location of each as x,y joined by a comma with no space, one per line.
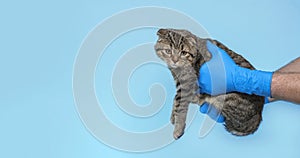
178,131
177,134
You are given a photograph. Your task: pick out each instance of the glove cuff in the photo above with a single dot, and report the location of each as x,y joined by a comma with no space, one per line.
253,81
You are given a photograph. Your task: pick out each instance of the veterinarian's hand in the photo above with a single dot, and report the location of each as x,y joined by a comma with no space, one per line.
211,112
221,75
214,114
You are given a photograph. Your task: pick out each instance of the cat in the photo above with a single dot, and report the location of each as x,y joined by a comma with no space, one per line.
184,53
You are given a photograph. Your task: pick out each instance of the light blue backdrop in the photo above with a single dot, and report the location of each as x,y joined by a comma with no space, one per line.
38,45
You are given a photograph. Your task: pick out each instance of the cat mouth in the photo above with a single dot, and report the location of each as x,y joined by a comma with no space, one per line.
173,66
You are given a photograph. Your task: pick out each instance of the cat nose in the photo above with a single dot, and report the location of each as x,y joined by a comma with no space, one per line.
175,59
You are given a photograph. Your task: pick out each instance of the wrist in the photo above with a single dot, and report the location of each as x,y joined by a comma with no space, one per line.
253,81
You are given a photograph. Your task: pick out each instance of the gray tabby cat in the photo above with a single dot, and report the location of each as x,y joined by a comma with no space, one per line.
184,54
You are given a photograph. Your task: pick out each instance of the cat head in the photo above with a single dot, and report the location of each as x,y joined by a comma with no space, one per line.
177,48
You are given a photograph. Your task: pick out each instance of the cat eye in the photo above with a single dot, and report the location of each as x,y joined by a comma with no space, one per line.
183,53
167,51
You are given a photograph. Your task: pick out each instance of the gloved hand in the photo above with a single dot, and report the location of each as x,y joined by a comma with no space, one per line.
221,75
214,114
211,112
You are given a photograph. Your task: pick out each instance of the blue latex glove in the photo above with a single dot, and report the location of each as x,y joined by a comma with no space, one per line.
226,77
213,113
221,75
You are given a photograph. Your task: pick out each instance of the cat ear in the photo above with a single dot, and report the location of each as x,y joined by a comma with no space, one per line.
192,41
162,32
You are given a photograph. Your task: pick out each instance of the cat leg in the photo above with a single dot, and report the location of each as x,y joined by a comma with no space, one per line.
199,99
172,119
180,113
176,104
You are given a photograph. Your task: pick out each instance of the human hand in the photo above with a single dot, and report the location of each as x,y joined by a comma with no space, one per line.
221,75
215,114
216,75
212,112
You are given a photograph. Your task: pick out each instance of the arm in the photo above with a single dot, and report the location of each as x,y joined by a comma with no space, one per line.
283,84
286,82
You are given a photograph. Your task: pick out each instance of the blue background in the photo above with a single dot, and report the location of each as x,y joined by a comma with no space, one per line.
38,45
